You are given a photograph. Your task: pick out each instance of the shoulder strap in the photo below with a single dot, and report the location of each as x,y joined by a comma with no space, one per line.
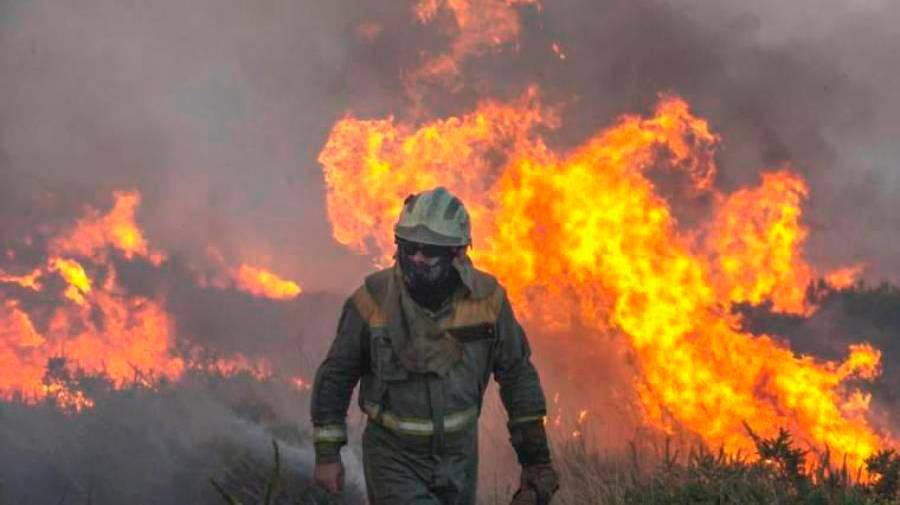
368,300
377,284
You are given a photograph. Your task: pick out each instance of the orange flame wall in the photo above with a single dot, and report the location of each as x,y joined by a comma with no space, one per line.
587,233
97,325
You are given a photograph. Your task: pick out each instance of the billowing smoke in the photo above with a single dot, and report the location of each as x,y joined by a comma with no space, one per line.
216,111
213,111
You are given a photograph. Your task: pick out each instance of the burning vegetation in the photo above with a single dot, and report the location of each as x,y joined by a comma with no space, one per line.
72,317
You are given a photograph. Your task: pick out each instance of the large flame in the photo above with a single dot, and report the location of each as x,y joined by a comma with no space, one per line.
586,233
755,237
99,328
95,326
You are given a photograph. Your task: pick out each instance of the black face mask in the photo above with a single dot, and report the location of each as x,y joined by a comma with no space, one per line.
429,285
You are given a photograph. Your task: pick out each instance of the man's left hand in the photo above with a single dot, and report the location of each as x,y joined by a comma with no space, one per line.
537,485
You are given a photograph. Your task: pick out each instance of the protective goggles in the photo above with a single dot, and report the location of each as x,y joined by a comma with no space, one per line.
408,248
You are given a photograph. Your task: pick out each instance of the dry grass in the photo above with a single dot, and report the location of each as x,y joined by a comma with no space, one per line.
701,476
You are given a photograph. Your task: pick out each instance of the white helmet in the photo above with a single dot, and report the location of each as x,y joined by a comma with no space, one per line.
434,217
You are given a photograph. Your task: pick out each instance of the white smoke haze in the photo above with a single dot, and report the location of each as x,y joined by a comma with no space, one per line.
154,447
213,110
216,112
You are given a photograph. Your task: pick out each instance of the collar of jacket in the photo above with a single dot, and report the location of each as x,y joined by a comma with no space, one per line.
415,332
478,284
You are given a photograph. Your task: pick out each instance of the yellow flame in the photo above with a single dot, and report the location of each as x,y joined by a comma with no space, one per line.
95,233
29,281
67,399
261,282
79,284
756,238
585,233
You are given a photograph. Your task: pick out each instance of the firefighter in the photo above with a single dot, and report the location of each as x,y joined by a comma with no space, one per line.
423,338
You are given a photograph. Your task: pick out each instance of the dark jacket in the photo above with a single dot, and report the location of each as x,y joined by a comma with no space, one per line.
401,386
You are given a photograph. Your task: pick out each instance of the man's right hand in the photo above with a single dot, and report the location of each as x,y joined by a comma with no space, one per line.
330,476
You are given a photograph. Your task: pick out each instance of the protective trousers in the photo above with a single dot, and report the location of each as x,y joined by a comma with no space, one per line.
409,469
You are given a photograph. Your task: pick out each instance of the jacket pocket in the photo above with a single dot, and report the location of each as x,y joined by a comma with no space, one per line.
385,363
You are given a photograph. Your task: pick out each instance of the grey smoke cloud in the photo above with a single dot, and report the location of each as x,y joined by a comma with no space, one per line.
213,110
216,110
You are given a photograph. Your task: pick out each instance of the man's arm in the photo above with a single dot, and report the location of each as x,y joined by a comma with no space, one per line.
334,383
523,397
520,390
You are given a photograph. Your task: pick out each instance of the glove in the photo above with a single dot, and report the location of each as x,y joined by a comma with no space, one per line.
329,471
537,485
330,476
